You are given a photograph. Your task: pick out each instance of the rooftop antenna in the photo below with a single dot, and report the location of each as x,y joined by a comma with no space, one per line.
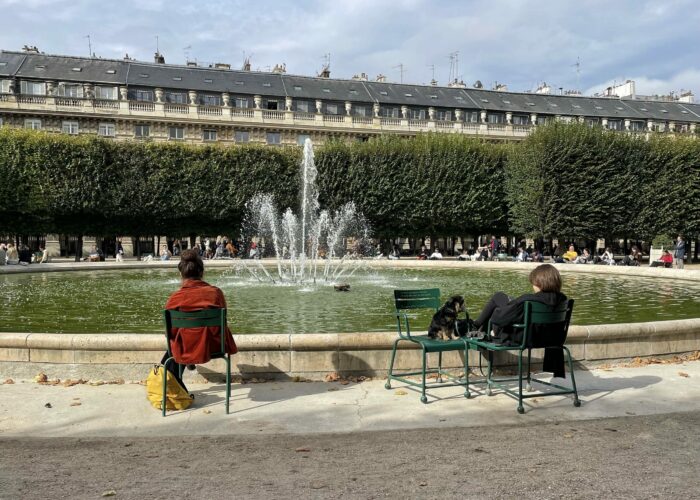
402,70
186,50
432,68
578,72
157,45
454,66
89,45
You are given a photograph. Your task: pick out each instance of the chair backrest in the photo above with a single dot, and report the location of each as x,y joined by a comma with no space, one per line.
195,319
417,299
555,321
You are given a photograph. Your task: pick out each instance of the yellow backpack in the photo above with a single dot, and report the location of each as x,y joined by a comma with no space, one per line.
176,397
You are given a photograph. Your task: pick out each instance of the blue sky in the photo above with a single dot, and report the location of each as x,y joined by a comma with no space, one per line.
517,42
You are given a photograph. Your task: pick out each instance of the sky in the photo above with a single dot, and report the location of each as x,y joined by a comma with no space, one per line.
520,43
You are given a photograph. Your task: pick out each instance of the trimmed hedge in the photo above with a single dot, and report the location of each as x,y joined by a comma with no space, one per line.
568,181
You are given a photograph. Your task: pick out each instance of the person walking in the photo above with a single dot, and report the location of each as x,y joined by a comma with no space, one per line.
679,252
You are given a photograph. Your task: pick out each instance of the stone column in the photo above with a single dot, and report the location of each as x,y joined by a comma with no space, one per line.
348,107
193,97
404,112
431,113
288,103
226,99
159,95
375,109
533,118
509,118
319,106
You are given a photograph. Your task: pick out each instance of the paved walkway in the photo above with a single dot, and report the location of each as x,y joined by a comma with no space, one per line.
319,407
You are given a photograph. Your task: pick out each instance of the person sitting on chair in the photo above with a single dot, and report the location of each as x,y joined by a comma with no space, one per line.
191,346
503,312
666,260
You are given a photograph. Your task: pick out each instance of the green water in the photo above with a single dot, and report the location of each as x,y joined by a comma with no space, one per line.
131,300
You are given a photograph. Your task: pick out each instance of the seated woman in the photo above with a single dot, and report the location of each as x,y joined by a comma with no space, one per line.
165,253
634,258
503,311
571,255
190,346
584,258
522,255
536,256
607,257
666,260
436,255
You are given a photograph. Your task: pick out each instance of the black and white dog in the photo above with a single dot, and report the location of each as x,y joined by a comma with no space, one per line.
443,324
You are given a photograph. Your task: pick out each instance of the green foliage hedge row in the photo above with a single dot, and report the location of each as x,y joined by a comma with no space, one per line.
564,180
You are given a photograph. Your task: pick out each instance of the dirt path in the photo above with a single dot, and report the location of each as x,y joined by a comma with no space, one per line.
632,457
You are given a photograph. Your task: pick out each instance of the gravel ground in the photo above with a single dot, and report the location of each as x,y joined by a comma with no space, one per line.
631,457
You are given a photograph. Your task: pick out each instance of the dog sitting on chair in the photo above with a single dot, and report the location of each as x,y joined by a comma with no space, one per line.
443,324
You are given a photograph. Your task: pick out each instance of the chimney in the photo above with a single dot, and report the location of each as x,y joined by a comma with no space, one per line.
433,82
381,78
361,77
222,66
30,49
246,64
191,64
325,72
158,58
280,68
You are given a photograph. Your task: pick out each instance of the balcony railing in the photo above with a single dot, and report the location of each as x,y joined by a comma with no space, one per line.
242,112
147,107
69,102
104,104
30,99
269,114
394,122
444,124
417,123
209,110
177,108
361,120
334,118
305,116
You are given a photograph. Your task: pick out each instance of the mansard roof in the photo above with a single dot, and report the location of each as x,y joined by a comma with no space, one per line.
176,77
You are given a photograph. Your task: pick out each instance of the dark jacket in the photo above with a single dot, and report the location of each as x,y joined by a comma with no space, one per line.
513,312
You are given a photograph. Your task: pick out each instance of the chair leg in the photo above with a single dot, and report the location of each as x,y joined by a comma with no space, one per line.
521,409
165,385
391,365
488,374
228,382
528,387
577,401
423,398
466,372
439,374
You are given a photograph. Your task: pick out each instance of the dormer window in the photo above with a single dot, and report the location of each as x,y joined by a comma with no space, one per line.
111,71
327,91
238,83
530,103
506,102
408,95
177,78
433,97
77,70
383,92
576,106
143,75
554,105
208,80
643,109
353,91
267,84
297,88
598,107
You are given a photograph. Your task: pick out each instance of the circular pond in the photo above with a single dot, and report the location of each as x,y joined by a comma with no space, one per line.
131,300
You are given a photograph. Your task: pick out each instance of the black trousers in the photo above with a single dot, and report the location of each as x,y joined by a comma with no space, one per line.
498,299
175,369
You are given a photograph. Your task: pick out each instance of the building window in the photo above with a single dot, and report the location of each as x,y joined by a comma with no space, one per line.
593,122
33,88
32,123
615,124
496,118
176,97
143,95
521,120
70,128
106,130
102,92
389,112
443,115
543,120
70,90
471,116
301,139
361,110
242,136
4,86
208,135
242,102
272,105
1,121
416,114
176,133
142,130
211,100
332,109
637,126
302,106
274,138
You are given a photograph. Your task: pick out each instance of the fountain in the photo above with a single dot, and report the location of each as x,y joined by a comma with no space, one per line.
301,242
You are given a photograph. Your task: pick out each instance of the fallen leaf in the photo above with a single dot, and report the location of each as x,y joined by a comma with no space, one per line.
344,382
400,392
76,403
302,449
70,382
9,381
568,435
109,493
611,430
423,483
41,377
683,374
333,389
332,377
317,486
48,405
97,382
207,412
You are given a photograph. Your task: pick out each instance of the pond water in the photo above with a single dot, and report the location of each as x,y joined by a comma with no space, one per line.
131,300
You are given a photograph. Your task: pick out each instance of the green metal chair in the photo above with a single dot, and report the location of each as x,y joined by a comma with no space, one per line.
195,319
424,299
535,313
